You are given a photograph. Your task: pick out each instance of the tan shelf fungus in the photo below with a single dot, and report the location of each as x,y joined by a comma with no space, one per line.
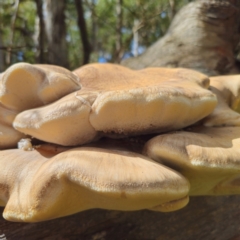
227,111
207,157
107,100
119,102
48,183
24,86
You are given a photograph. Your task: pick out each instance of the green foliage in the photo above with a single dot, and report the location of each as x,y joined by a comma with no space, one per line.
17,35
150,19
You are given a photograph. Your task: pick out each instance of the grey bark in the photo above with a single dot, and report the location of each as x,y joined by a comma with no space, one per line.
203,36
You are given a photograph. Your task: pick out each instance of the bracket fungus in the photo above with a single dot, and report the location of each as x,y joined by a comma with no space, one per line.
47,183
54,105
8,135
116,101
227,111
207,157
24,86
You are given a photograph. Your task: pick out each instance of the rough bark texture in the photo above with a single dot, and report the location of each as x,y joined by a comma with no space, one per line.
203,36
204,218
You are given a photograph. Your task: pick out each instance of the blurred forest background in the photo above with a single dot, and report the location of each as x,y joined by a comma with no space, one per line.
71,33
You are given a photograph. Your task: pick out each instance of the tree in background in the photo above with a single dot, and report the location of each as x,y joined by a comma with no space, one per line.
83,31
54,20
204,35
16,28
39,32
71,33
74,32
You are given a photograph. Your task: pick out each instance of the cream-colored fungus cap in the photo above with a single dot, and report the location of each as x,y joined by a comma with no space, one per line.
65,122
144,101
24,86
207,157
227,111
229,86
8,135
119,101
48,183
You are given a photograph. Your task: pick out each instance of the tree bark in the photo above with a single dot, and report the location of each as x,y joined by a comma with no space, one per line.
56,32
204,218
203,36
83,32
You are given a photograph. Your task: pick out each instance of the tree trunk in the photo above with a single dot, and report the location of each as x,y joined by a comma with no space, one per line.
39,32
204,218
2,55
56,32
94,19
119,14
83,31
203,36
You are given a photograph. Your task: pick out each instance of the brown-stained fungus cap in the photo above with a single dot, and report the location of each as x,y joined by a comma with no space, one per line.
207,157
47,183
120,101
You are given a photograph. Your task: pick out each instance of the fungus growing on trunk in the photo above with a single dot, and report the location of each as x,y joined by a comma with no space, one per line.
113,102
47,183
119,102
227,111
207,157
24,86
